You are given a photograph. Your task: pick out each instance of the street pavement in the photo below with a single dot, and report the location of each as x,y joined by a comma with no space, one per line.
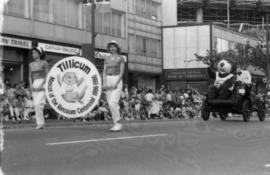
167,147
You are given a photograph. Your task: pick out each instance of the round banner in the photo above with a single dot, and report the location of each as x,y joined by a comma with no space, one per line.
73,87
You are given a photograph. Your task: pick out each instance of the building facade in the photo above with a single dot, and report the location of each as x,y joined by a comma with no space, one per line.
63,28
144,43
60,26
181,43
238,11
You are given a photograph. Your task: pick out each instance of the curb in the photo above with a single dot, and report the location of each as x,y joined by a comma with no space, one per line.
71,122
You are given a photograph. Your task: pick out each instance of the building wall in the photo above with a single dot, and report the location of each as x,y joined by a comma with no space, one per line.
180,44
62,23
169,13
225,39
52,20
144,41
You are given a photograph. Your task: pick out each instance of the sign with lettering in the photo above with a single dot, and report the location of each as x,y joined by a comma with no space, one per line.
15,42
60,49
186,74
73,87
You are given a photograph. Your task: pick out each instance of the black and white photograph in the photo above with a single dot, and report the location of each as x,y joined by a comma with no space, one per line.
134,87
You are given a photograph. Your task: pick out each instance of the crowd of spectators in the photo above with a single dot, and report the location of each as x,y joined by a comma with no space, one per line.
144,104
135,104
16,103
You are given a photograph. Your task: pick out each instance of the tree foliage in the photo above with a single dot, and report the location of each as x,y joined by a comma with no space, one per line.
249,56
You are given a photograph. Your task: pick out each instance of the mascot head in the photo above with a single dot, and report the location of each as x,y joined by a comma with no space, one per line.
225,66
70,78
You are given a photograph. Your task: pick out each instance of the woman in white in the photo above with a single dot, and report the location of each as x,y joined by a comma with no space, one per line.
113,71
38,70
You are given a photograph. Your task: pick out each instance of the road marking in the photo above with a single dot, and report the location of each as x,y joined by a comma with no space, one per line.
106,139
267,165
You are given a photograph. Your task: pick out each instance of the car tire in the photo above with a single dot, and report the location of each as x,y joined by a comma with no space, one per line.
261,111
246,110
205,112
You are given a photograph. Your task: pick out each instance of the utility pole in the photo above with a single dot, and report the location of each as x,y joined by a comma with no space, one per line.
93,37
228,13
267,47
93,20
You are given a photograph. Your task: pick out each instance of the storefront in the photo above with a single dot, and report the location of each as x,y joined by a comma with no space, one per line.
55,52
184,78
13,53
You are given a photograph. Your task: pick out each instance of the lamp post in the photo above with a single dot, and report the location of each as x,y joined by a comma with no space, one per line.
228,13
267,48
93,18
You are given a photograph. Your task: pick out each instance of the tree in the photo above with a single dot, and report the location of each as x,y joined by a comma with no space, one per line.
213,57
245,56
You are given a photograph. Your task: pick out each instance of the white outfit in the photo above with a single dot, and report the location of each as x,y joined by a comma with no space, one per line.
39,99
113,96
149,97
244,77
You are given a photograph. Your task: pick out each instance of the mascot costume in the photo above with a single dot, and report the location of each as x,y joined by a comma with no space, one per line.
224,78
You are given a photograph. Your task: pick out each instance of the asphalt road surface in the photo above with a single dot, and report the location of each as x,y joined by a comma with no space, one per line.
185,147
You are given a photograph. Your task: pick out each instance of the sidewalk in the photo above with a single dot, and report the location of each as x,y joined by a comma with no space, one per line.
71,122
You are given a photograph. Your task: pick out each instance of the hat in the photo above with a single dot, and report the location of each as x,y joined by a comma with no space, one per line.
113,42
39,49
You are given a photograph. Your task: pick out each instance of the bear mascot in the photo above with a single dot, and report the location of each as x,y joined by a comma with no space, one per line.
224,78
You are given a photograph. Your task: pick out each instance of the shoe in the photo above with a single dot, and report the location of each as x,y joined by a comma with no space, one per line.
40,127
116,127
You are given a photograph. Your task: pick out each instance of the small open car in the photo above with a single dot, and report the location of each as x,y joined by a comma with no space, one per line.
242,101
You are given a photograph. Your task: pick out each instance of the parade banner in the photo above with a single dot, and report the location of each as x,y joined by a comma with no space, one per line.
73,87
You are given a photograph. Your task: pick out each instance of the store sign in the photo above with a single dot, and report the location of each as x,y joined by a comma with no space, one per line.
14,42
73,87
186,74
59,49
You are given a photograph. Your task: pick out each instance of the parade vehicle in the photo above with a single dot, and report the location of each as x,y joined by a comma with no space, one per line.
242,101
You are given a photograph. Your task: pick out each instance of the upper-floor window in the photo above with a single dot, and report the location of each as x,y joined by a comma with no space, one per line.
144,46
68,13
43,10
147,8
108,21
18,8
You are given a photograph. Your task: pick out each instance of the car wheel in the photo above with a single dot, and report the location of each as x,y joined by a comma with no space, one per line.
246,110
205,112
261,112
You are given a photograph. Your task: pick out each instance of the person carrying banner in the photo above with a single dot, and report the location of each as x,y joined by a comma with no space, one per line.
113,71
38,70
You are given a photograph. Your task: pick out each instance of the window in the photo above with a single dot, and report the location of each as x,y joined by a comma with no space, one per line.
73,11
147,8
18,8
117,24
131,6
107,22
59,12
88,18
132,44
99,22
141,45
43,10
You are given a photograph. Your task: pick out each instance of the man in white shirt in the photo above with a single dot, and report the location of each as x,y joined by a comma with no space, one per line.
243,76
149,97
